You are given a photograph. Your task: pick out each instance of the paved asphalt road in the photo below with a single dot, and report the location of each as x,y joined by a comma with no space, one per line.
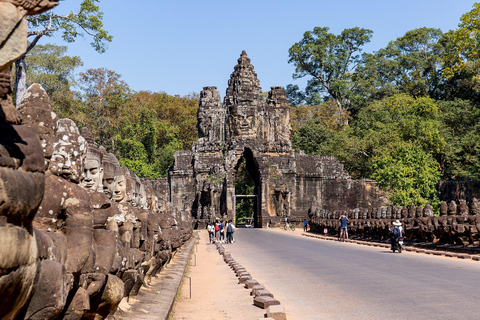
318,279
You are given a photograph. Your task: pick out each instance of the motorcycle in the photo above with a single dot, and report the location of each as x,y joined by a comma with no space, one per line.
397,244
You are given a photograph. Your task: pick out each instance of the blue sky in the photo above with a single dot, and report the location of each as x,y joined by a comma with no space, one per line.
181,46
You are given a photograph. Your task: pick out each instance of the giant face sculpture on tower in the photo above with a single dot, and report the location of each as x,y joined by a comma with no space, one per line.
242,122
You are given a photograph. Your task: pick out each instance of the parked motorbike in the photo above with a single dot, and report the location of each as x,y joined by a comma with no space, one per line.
397,244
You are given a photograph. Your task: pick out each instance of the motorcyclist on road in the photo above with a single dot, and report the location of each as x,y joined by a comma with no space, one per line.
396,231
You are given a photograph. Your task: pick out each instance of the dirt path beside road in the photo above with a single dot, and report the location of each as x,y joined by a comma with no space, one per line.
216,293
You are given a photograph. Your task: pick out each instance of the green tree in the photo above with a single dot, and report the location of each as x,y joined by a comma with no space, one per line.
464,49
399,135
105,97
330,60
244,185
409,173
88,19
461,130
410,65
151,128
326,113
49,66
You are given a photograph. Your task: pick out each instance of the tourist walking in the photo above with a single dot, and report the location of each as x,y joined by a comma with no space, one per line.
222,234
343,227
230,230
305,223
217,231
211,230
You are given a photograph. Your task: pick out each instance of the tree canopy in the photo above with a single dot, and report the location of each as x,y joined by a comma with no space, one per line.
88,19
330,61
413,107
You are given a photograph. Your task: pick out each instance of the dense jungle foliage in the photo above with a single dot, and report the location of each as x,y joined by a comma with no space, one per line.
406,115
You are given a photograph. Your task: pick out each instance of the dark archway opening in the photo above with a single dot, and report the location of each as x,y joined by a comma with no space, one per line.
247,191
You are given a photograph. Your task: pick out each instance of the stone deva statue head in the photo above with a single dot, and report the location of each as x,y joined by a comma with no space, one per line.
242,122
121,184
92,177
69,149
142,197
132,189
110,167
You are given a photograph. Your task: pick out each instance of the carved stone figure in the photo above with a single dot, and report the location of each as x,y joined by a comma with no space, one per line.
37,113
121,184
92,177
68,151
110,166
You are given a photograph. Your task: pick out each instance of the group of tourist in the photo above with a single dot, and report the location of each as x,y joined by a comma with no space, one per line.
221,232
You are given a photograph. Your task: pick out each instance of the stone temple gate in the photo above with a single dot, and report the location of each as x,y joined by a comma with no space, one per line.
248,125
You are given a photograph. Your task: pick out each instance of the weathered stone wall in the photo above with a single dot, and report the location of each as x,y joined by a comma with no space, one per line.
456,190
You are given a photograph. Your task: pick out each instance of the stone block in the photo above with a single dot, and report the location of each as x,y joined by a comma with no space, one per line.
250,283
264,292
256,288
276,312
237,266
239,271
265,301
244,278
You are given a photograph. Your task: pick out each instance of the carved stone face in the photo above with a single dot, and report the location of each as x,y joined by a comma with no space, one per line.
142,197
68,151
243,122
130,192
120,187
204,124
109,185
110,167
92,174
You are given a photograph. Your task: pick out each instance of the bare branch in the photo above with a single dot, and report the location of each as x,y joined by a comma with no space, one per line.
38,35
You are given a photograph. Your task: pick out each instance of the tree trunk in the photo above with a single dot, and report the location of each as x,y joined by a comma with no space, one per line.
20,80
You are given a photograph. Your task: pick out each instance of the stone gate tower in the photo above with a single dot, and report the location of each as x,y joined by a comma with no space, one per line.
248,125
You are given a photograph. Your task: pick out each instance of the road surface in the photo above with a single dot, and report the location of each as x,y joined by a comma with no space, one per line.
318,279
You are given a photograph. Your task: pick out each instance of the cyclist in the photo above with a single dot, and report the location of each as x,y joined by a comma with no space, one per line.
287,222
343,227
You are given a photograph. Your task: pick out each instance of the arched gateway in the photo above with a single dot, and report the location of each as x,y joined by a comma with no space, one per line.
248,125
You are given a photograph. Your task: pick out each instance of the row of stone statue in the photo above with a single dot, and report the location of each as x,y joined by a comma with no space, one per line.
99,233
456,224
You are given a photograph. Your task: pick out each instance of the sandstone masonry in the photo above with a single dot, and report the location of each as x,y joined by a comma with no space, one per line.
258,129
